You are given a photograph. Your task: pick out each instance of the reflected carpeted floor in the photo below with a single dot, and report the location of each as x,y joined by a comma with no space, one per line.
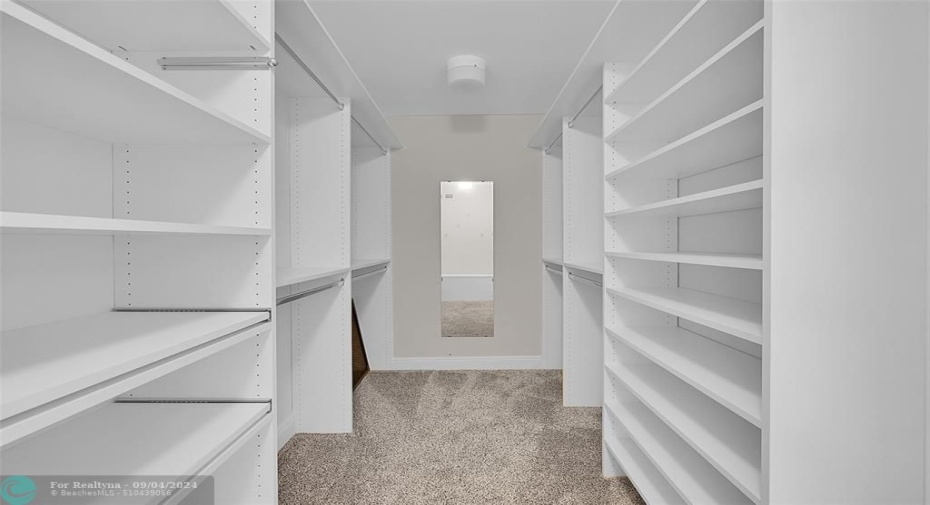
468,318
457,437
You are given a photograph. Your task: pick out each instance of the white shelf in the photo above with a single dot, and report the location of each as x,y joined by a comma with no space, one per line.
726,82
294,275
69,366
732,378
593,269
707,28
553,261
153,25
650,484
734,138
692,476
730,444
361,264
737,317
56,78
139,439
732,198
21,222
745,261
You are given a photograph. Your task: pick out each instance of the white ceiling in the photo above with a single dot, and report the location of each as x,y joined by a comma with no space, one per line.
399,49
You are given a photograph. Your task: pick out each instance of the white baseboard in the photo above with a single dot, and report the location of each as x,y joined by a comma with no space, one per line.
471,363
286,431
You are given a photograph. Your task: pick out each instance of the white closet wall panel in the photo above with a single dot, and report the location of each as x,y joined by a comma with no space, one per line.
371,203
320,182
219,185
49,278
69,174
322,357
193,272
847,322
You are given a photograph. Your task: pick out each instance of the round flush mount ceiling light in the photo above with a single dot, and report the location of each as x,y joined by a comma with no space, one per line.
466,69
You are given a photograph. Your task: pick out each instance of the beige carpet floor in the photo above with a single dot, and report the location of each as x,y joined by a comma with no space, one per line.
470,437
468,318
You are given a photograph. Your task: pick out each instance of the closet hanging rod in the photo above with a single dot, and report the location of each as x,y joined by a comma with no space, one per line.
383,150
554,142
585,279
304,294
316,79
373,272
301,64
571,122
553,270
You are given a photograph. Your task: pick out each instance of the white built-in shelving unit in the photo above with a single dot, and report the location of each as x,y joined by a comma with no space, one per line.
683,254
137,264
333,225
749,293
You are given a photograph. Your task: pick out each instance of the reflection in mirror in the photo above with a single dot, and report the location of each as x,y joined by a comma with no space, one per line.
467,236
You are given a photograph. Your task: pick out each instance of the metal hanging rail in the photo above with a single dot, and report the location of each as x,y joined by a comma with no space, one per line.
554,142
316,79
300,62
383,150
217,63
373,272
571,122
586,280
304,294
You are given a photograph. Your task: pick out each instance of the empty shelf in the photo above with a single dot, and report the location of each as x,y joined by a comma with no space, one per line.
294,275
727,82
709,26
21,222
56,78
751,262
689,473
737,317
176,439
72,365
735,138
155,25
361,264
650,484
747,195
590,268
730,444
732,378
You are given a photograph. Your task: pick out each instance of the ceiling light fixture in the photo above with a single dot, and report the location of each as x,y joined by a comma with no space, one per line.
466,69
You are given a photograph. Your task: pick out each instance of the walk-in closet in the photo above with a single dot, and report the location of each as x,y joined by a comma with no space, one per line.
307,252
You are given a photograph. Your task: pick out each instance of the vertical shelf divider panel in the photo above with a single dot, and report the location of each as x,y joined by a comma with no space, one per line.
665,231
320,152
143,199
583,258
552,255
372,291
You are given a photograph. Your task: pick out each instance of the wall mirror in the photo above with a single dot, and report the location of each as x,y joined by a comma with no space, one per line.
467,263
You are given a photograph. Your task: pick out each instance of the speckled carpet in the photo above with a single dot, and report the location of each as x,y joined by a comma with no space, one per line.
468,318
469,437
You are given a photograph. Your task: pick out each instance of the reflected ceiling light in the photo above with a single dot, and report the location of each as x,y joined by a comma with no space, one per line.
465,185
466,69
